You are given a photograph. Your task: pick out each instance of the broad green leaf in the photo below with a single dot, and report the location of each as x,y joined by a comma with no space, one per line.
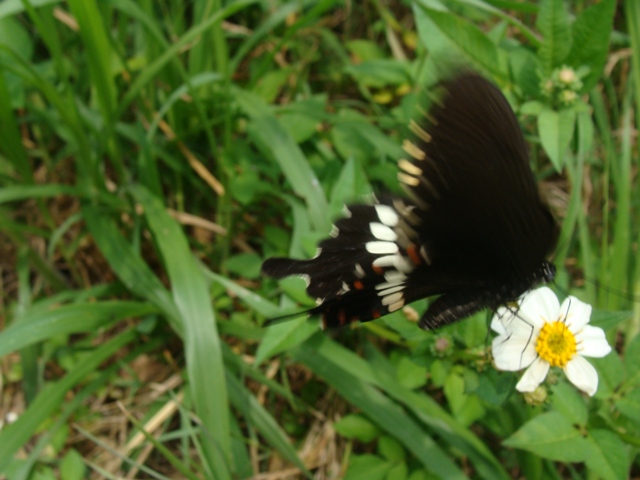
525,68
283,337
610,374
398,471
629,404
269,85
72,467
380,73
632,357
245,264
301,127
469,39
607,320
419,475
608,455
364,50
357,426
553,24
495,387
551,436
349,143
555,130
351,186
591,32
354,136
409,374
391,449
570,403
464,407
367,467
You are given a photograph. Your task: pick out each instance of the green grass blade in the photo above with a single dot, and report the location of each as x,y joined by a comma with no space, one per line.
99,54
84,317
151,71
10,137
71,407
622,250
205,368
252,299
273,139
632,10
9,8
263,422
26,192
13,436
129,265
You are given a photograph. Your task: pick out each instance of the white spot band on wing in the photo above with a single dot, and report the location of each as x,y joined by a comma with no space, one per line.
387,215
382,232
381,248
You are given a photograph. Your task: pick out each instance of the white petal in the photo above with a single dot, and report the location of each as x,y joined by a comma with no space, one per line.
509,320
528,326
539,306
513,352
578,313
592,342
582,374
533,376
501,320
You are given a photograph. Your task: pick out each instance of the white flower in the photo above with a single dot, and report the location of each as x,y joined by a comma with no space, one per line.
541,333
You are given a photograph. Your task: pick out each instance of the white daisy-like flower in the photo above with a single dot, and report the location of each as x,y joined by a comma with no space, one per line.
540,333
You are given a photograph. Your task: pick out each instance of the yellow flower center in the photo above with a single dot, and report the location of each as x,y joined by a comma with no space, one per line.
556,344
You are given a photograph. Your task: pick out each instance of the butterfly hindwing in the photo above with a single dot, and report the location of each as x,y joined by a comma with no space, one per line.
364,268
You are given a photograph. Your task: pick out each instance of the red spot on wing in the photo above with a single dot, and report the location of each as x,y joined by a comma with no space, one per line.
377,269
412,251
358,285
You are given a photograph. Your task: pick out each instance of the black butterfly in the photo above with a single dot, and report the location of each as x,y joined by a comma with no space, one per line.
472,229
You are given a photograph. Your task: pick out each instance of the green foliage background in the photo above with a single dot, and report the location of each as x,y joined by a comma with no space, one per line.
152,154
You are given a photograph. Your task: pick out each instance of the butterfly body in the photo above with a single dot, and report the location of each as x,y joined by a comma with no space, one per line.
472,227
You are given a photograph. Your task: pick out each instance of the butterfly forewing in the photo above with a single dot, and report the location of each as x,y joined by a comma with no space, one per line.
472,228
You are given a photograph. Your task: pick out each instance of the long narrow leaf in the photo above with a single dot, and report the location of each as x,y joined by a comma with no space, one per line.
272,138
202,344
85,317
128,265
